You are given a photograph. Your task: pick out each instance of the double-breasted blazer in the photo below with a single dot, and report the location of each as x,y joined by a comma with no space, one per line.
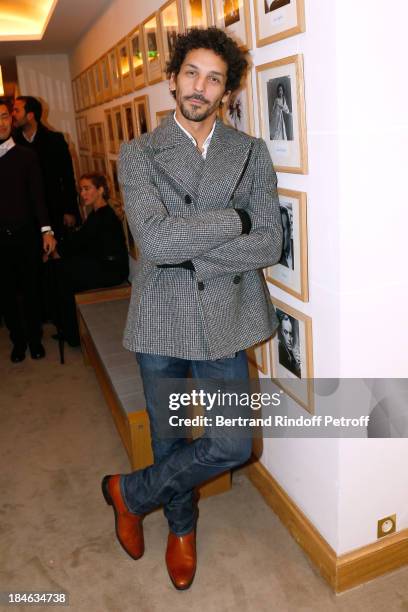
181,207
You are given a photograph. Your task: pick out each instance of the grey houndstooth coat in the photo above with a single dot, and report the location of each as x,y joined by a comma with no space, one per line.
180,207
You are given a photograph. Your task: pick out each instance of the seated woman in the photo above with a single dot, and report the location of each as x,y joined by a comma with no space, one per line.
93,256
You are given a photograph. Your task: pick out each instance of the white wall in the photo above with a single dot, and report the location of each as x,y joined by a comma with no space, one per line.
354,88
48,77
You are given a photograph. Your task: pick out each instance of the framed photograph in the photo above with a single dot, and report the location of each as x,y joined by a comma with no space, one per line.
75,95
291,353
137,58
152,45
85,164
93,138
110,131
105,78
99,165
118,127
161,115
85,90
114,73
196,13
258,358
170,26
233,16
113,168
122,51
82,131
277,19
291,273
80,95
142,114
100,139
97,82
238,110
129,123
91,87
282,116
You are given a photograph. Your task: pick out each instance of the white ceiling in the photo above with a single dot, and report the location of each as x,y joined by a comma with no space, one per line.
69,22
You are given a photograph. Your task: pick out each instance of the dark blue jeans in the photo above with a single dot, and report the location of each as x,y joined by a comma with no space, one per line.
181,465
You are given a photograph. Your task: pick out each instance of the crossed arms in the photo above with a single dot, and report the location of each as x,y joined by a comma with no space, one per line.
212,240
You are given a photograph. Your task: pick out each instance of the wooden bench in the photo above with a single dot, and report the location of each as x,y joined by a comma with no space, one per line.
101,317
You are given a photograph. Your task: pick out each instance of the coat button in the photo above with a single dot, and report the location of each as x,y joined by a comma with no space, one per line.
236,280
200,285
188,199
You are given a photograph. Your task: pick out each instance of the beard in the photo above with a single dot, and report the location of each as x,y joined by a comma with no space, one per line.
195,113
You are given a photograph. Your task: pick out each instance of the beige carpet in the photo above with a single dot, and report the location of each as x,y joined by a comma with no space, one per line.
56,532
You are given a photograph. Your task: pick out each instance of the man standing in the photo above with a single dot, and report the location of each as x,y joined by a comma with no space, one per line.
202,205
55,160
22,215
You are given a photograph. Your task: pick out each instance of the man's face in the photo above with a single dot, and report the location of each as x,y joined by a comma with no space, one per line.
287,334
19,114
5,122
200,84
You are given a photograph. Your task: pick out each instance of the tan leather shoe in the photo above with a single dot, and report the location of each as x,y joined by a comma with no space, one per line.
181,559
129,526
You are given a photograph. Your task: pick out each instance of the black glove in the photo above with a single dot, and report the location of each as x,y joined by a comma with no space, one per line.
245,220
187,265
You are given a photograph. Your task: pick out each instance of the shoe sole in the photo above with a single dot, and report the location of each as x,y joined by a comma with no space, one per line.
182,588
109,501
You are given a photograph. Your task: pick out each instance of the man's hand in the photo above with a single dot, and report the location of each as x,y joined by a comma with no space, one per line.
69,220
49,243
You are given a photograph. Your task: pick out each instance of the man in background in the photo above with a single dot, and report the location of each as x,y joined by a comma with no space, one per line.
22,215
55,161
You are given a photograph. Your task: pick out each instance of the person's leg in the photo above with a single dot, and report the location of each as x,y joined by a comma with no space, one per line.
189,466
9,272
30,286
180,509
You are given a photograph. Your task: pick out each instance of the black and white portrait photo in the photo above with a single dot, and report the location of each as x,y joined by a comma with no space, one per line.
288,337
273,5
287,257
231,12
280,108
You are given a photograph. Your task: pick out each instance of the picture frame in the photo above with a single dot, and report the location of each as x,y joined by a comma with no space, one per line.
282,116
291,355
91,87
82,131
161,115
85,165
170,25
291,273
80,95
75,95
258,358
129,123
85,90
137,58
110,131
114,73
196,14
238,111
105,78
113,169
278,19
97,81
234,17
93,139
142,114
123,57
118,127
153,51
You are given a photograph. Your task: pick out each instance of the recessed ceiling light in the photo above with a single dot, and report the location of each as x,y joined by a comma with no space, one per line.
25,19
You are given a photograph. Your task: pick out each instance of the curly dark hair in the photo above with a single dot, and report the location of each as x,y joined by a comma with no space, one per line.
216,40
98,180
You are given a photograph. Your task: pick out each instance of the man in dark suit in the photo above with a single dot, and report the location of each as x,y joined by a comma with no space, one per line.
23,215
55,161
203,208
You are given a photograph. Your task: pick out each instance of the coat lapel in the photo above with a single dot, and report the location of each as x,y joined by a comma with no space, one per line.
177,156
226,158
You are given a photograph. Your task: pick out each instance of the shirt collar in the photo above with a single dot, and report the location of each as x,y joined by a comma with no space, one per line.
6,146
30,138
207,141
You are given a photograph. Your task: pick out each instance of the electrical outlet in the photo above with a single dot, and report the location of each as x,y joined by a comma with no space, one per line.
386,525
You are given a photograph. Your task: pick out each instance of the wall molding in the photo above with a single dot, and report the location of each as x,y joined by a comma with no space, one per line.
342,572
